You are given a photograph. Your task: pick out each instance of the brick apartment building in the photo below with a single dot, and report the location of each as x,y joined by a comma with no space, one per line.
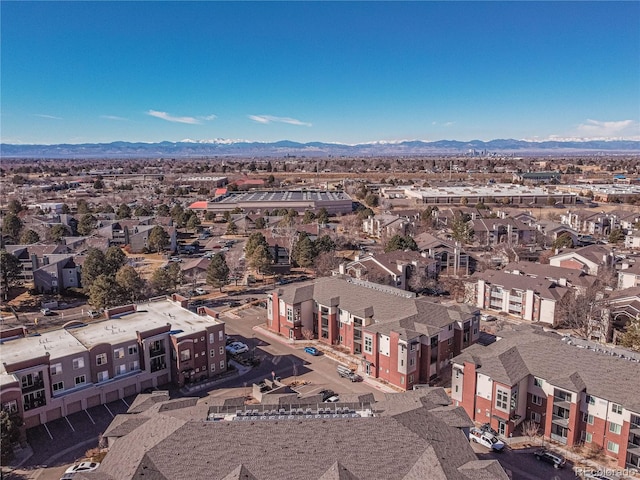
60,372
393,335
576,395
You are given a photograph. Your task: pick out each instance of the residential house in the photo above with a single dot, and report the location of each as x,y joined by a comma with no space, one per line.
632,240
64,371
629,275
32,257
494,231
622,306
394,268
388,225
56,274
575,393
528,297
392,335
592,259
449,256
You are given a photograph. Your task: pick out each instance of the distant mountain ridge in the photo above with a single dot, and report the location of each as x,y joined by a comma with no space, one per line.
243,148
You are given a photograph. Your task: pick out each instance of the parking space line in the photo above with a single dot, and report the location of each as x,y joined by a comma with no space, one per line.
125,402
47,429
90,418
70,426
108,410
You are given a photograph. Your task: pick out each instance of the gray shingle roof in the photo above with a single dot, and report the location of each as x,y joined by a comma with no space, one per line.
545,355
408,316
416,443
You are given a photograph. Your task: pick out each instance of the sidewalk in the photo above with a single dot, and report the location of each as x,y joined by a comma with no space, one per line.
238,372
329,352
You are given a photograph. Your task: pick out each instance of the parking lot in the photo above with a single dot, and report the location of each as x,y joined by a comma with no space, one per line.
81,430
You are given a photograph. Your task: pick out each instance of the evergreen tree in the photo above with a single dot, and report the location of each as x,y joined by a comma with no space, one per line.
130,283
28,237
303,252
218,271
115,259
10,270
86,224
162,210
93,266
11,226
260,259
158,240
323,216
104,292
124,211
232,228
399,242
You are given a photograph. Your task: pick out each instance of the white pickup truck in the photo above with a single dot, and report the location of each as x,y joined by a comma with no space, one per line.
487,439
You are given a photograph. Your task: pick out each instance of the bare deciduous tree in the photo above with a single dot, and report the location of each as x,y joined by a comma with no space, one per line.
307,334
583,311
530,429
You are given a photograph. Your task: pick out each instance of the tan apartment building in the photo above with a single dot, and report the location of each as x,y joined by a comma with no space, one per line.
54,374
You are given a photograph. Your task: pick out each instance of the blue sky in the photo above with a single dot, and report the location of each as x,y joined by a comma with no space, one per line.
76,72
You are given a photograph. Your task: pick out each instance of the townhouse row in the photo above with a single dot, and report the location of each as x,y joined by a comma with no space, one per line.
50,375
573,395
394,336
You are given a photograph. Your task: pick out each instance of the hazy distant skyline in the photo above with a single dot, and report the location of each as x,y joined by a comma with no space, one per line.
80,72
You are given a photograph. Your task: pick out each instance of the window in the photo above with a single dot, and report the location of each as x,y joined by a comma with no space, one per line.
588,437
290,315
368,344
536,400
222,365
81,380
475,331
10,407
450,341
118,353
121,369
212,338
457,388
588,418
56,369
185,355
132,349
502,399
613,447
213,367
220,336
591,400
615,408
212,352
58,386
450,326
134,366
412,361
103,376
101,359
203,353
78,363
535,416
221,350
411,377
615,428
402,362
538,382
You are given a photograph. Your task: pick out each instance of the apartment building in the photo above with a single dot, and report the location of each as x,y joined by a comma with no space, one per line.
50,375
528,297
591,259
576,393
494,231
392,334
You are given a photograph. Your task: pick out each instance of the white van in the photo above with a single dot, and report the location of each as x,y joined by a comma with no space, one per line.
344,371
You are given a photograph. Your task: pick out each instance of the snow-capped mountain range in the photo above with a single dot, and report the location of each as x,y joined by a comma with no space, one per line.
246,148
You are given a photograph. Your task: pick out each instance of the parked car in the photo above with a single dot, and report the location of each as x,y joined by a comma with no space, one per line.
200,291
82,467
488,317
175,259
487,439
46,312
555,459
94,314
326,394
332,399
354,377
236,348
312,351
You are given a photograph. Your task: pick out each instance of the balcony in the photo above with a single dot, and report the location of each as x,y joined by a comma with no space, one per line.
156,352
558,438
633,448
36,385
559,420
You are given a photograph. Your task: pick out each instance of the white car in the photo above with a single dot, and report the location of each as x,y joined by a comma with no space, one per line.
80,467
236,348
200,291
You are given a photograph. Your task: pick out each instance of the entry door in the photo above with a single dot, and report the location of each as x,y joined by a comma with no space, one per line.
290,333
367,368
502,428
